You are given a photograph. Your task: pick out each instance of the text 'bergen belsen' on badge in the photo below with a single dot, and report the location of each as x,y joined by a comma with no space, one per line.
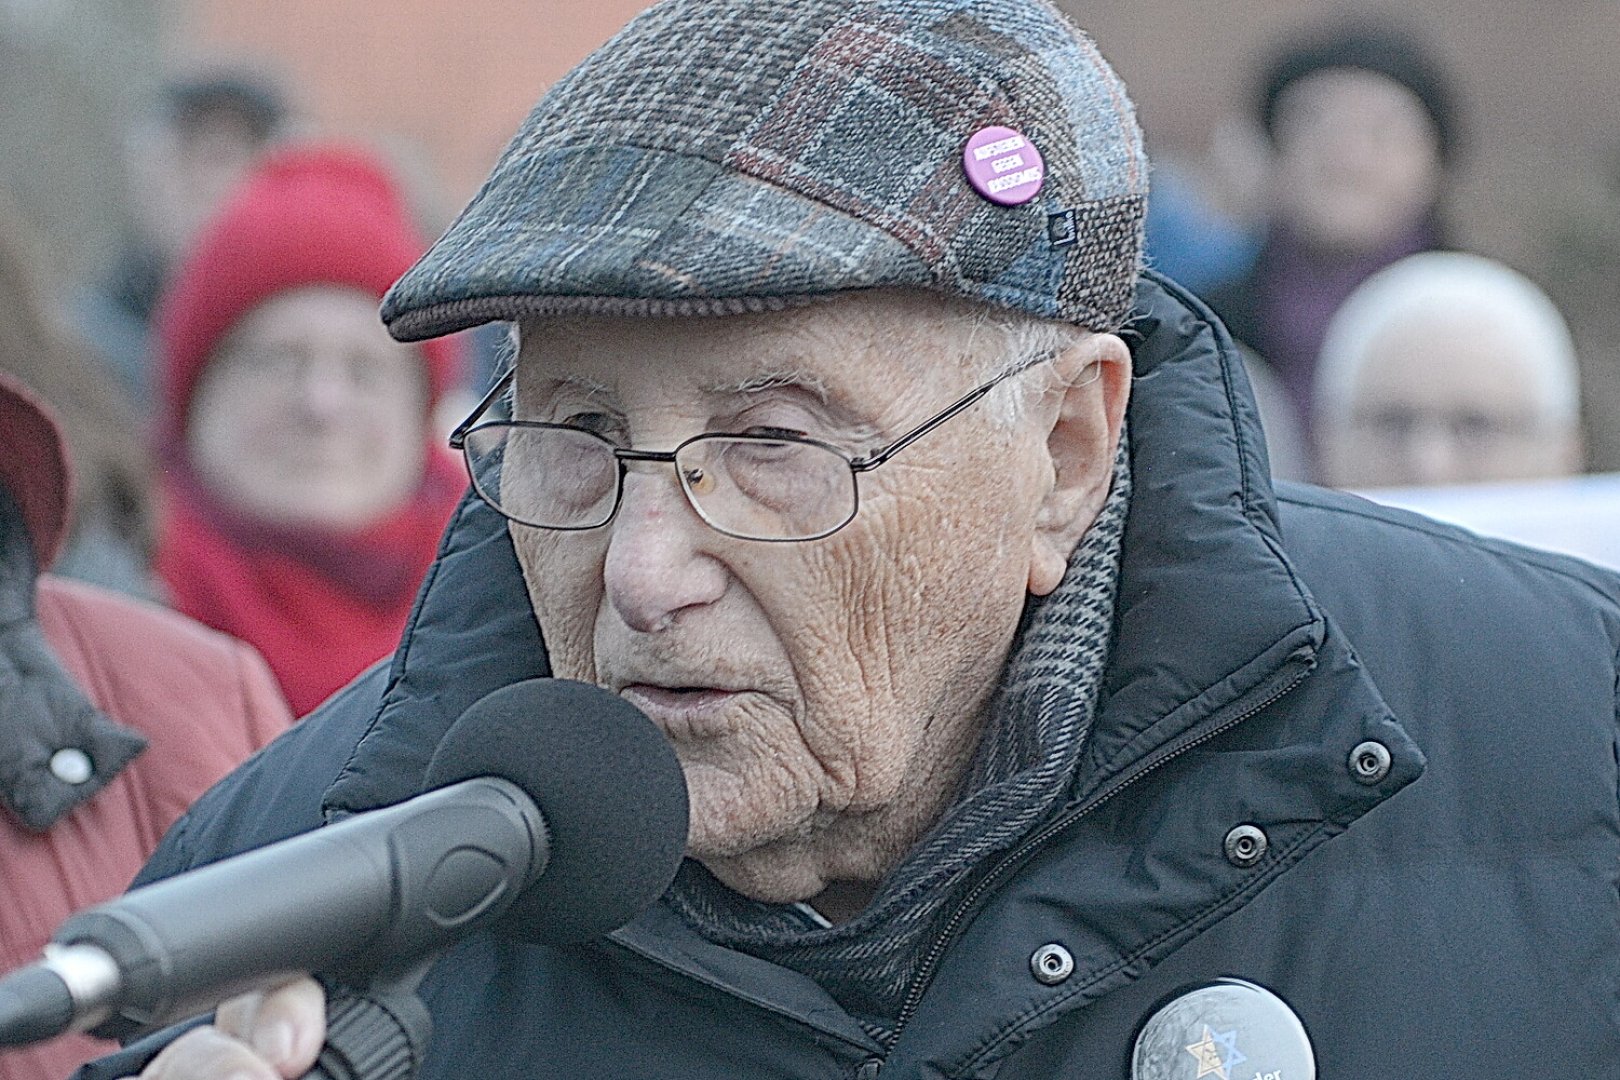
1003,166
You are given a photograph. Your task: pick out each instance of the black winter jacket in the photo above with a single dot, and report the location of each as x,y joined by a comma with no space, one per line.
1456,914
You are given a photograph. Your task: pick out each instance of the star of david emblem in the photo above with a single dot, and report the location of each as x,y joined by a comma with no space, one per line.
1217,1053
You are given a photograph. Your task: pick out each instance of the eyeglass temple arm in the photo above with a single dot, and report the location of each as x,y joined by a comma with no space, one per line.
878,457
458,437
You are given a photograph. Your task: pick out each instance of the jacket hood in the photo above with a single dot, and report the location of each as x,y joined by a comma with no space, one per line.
1208,602
34,468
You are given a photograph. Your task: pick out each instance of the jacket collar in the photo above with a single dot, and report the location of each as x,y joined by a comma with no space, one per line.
1209,607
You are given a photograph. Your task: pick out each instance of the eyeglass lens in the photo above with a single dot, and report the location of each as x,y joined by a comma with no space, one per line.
755,488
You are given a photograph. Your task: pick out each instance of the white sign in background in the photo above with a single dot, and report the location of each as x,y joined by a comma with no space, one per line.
1578,516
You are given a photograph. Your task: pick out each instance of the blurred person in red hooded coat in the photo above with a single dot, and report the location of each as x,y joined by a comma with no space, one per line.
303,485
114,715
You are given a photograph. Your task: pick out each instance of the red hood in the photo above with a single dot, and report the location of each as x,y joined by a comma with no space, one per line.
34,467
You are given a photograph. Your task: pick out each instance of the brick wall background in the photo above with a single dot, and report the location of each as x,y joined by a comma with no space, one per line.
451,80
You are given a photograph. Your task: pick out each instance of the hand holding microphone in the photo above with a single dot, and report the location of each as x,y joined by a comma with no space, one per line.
265,1035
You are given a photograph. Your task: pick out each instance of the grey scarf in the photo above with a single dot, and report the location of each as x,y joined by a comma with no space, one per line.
1024,764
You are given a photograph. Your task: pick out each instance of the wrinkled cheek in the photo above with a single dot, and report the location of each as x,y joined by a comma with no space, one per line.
857,656
565,589
745,794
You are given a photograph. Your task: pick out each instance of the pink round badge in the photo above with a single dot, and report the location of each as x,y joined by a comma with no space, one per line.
1003,166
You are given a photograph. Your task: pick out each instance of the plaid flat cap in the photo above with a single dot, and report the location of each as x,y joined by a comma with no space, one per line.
727,156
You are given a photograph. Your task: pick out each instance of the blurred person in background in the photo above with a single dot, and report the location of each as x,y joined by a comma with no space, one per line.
305,486
1447,368
1206,221
114,715
1190,237
1362,126
201,136
111,540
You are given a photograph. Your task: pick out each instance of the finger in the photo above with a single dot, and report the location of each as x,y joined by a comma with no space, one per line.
285,1025
206,1053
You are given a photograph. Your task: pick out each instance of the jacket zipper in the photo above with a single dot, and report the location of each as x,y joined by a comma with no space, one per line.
936,952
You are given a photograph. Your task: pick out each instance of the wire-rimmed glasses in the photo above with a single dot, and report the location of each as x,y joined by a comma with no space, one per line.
771,487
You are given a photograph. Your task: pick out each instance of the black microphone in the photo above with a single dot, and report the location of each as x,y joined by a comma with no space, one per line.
555,812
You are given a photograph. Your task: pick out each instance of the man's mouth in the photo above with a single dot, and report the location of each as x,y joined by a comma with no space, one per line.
683,712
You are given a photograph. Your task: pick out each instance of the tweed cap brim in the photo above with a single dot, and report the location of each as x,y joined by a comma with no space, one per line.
722,156
675,235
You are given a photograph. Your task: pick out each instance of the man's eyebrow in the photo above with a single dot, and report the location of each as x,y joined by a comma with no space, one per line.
771,380
542,392
570,381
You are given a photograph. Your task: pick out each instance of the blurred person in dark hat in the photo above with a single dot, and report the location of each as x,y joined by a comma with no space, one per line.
304,484
1018,710
202,133
1363,126
114,715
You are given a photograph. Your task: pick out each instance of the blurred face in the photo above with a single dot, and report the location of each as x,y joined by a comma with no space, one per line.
310,414
1357,159
1447,401
822,696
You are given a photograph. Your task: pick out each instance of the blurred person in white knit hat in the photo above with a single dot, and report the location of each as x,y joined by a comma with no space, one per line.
1447,368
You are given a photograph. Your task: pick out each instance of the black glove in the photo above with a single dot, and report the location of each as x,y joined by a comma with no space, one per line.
56,748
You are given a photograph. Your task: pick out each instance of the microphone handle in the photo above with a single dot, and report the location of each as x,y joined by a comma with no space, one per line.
366,895
381,1034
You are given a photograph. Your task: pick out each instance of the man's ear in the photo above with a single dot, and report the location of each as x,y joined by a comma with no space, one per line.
1085,411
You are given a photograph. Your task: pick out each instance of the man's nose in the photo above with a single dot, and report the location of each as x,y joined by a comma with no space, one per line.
658,566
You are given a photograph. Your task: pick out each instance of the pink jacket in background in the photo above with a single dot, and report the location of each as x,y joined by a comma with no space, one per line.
205,701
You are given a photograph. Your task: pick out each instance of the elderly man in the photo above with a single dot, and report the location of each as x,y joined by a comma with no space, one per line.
1447,368
1002,729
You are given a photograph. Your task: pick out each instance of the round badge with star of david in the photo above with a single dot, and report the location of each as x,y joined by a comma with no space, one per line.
1230,1029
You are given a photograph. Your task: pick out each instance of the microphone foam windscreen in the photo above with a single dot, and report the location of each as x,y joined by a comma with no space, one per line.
608,784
